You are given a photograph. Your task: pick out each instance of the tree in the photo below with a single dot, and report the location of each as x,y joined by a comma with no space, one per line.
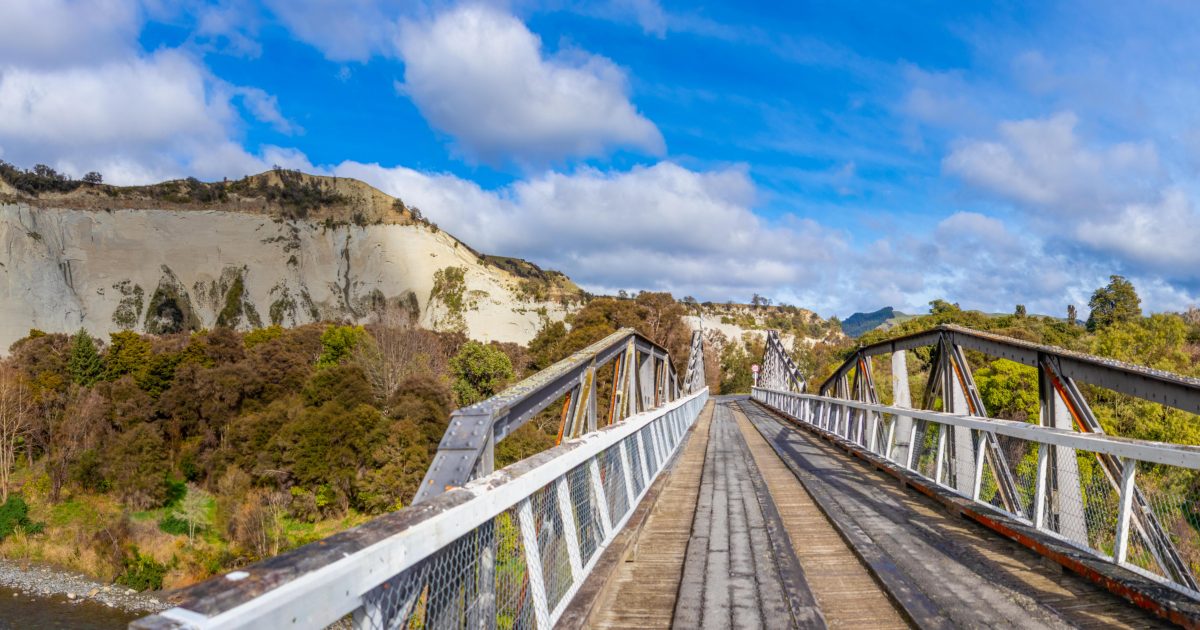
1020,312
1113,303
84,364
137,465
72,433
337,342
1072,315
127,354
942,307
759,300
92,177
16,415
479,372
193,510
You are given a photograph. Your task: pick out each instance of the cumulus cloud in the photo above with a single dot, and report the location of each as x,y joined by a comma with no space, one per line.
1042,163
49,33
1116,203
481,76
1160,235
133,116
661,227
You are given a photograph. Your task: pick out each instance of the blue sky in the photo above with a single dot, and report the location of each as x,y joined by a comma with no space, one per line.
835,156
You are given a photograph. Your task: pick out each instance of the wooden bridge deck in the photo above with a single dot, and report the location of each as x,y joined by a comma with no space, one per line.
762,525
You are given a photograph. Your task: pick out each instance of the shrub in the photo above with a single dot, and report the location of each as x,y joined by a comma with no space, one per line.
173,525
15,513
142,572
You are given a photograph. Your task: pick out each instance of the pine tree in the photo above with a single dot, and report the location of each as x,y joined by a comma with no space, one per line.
84,363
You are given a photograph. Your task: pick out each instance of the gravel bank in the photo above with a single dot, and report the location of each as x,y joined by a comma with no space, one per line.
45,581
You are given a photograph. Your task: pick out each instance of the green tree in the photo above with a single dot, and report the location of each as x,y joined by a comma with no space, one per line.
1020,311
337,342
1009,390
127,354
479,372
1115,302
137,465
84,364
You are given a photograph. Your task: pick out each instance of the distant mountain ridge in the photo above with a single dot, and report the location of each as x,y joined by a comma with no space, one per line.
859,324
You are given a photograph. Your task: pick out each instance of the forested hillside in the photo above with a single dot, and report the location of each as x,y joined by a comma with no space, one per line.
160,460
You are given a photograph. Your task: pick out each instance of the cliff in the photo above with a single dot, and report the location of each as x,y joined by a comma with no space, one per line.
278,248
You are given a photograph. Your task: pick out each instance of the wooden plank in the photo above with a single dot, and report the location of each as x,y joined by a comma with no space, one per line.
846,593
640,590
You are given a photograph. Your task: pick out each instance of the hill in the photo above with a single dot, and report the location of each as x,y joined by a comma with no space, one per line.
859,323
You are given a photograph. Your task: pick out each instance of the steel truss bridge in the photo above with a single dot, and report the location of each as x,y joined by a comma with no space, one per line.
856,506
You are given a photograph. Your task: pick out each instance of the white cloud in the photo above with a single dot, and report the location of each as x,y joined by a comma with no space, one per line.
346,30
481,76
661,227
94,101
1042,163
265,108
48,33
1160,235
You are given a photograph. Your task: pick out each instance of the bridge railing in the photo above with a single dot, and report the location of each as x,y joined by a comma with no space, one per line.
507,550
1103,519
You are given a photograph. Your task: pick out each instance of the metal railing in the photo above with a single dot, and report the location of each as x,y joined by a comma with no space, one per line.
508,550
1108,518
643,379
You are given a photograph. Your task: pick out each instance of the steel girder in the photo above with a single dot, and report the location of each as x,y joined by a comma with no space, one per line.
779,372
694,379
1061,405
645,379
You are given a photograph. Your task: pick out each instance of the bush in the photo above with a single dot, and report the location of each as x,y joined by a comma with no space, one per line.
176,490
15,513
142,572
174,525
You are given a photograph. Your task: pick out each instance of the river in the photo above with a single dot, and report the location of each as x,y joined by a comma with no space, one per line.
19,612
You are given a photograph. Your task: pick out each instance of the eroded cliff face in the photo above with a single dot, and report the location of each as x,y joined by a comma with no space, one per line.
161,271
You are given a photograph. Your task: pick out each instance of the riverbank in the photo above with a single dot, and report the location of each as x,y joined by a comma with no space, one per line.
36,580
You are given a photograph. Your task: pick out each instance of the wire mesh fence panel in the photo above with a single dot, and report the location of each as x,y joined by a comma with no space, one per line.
635,464
588,529
989,486
647,441
452,589
925,449
1068,489
1172,498
613,478
1022,458
879,443
552,544
514,610
1141,553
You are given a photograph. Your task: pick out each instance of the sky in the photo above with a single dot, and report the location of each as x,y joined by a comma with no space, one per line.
835,156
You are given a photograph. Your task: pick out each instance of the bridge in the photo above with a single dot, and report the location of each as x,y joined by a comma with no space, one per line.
854,506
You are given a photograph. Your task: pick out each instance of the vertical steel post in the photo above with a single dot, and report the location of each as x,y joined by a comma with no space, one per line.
1039,492
980,447
1128,473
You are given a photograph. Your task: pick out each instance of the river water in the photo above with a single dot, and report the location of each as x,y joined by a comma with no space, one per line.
20,611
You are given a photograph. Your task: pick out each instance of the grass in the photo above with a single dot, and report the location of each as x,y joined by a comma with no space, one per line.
73,524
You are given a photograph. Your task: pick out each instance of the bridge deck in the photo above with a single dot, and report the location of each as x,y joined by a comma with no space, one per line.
751,530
